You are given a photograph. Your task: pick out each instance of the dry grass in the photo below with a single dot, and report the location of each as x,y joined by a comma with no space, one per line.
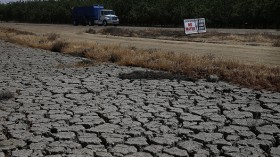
276,43
251,39
83,63
91,31
254,37
58,46
254,76
52,36
148,33
14,31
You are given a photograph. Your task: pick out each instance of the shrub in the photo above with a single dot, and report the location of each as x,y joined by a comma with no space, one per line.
58,46
114,58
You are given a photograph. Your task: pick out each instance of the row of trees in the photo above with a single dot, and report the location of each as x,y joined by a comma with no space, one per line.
219,13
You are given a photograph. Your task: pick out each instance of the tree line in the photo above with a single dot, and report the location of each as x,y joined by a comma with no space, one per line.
218,13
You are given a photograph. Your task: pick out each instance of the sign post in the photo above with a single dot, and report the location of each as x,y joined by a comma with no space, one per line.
193,26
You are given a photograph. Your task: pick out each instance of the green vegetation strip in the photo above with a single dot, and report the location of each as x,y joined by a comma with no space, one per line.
218,13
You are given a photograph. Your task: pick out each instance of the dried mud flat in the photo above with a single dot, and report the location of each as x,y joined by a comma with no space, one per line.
61,110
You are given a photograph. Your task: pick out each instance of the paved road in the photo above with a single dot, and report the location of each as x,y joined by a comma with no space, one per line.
108,110
253,54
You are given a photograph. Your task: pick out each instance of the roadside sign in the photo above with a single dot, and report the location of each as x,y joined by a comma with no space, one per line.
193,26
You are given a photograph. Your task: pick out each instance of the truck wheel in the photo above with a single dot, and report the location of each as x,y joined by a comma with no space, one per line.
104,23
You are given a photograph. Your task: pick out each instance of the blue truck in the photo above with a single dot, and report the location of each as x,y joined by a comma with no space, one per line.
95,14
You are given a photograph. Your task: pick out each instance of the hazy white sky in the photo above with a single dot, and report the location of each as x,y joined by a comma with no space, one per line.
7,1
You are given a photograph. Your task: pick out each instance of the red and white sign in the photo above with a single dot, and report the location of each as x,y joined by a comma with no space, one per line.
195,26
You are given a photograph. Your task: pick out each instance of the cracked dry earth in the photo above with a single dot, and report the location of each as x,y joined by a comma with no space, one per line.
91,111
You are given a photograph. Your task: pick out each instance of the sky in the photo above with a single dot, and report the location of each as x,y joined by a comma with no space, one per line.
7,1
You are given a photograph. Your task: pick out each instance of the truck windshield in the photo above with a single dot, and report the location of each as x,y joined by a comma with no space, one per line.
108,12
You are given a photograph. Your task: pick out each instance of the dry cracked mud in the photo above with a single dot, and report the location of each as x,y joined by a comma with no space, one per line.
65,111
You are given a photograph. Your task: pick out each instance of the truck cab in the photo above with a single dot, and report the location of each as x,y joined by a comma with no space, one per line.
108,17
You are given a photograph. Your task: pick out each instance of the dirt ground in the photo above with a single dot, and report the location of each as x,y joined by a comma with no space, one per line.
108,110
248,53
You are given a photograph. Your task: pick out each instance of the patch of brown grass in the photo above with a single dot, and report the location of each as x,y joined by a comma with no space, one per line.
58,46
147,33
254,76
250,39
52,36
79,64
91,31
253,37
276,43
84,63
15,31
